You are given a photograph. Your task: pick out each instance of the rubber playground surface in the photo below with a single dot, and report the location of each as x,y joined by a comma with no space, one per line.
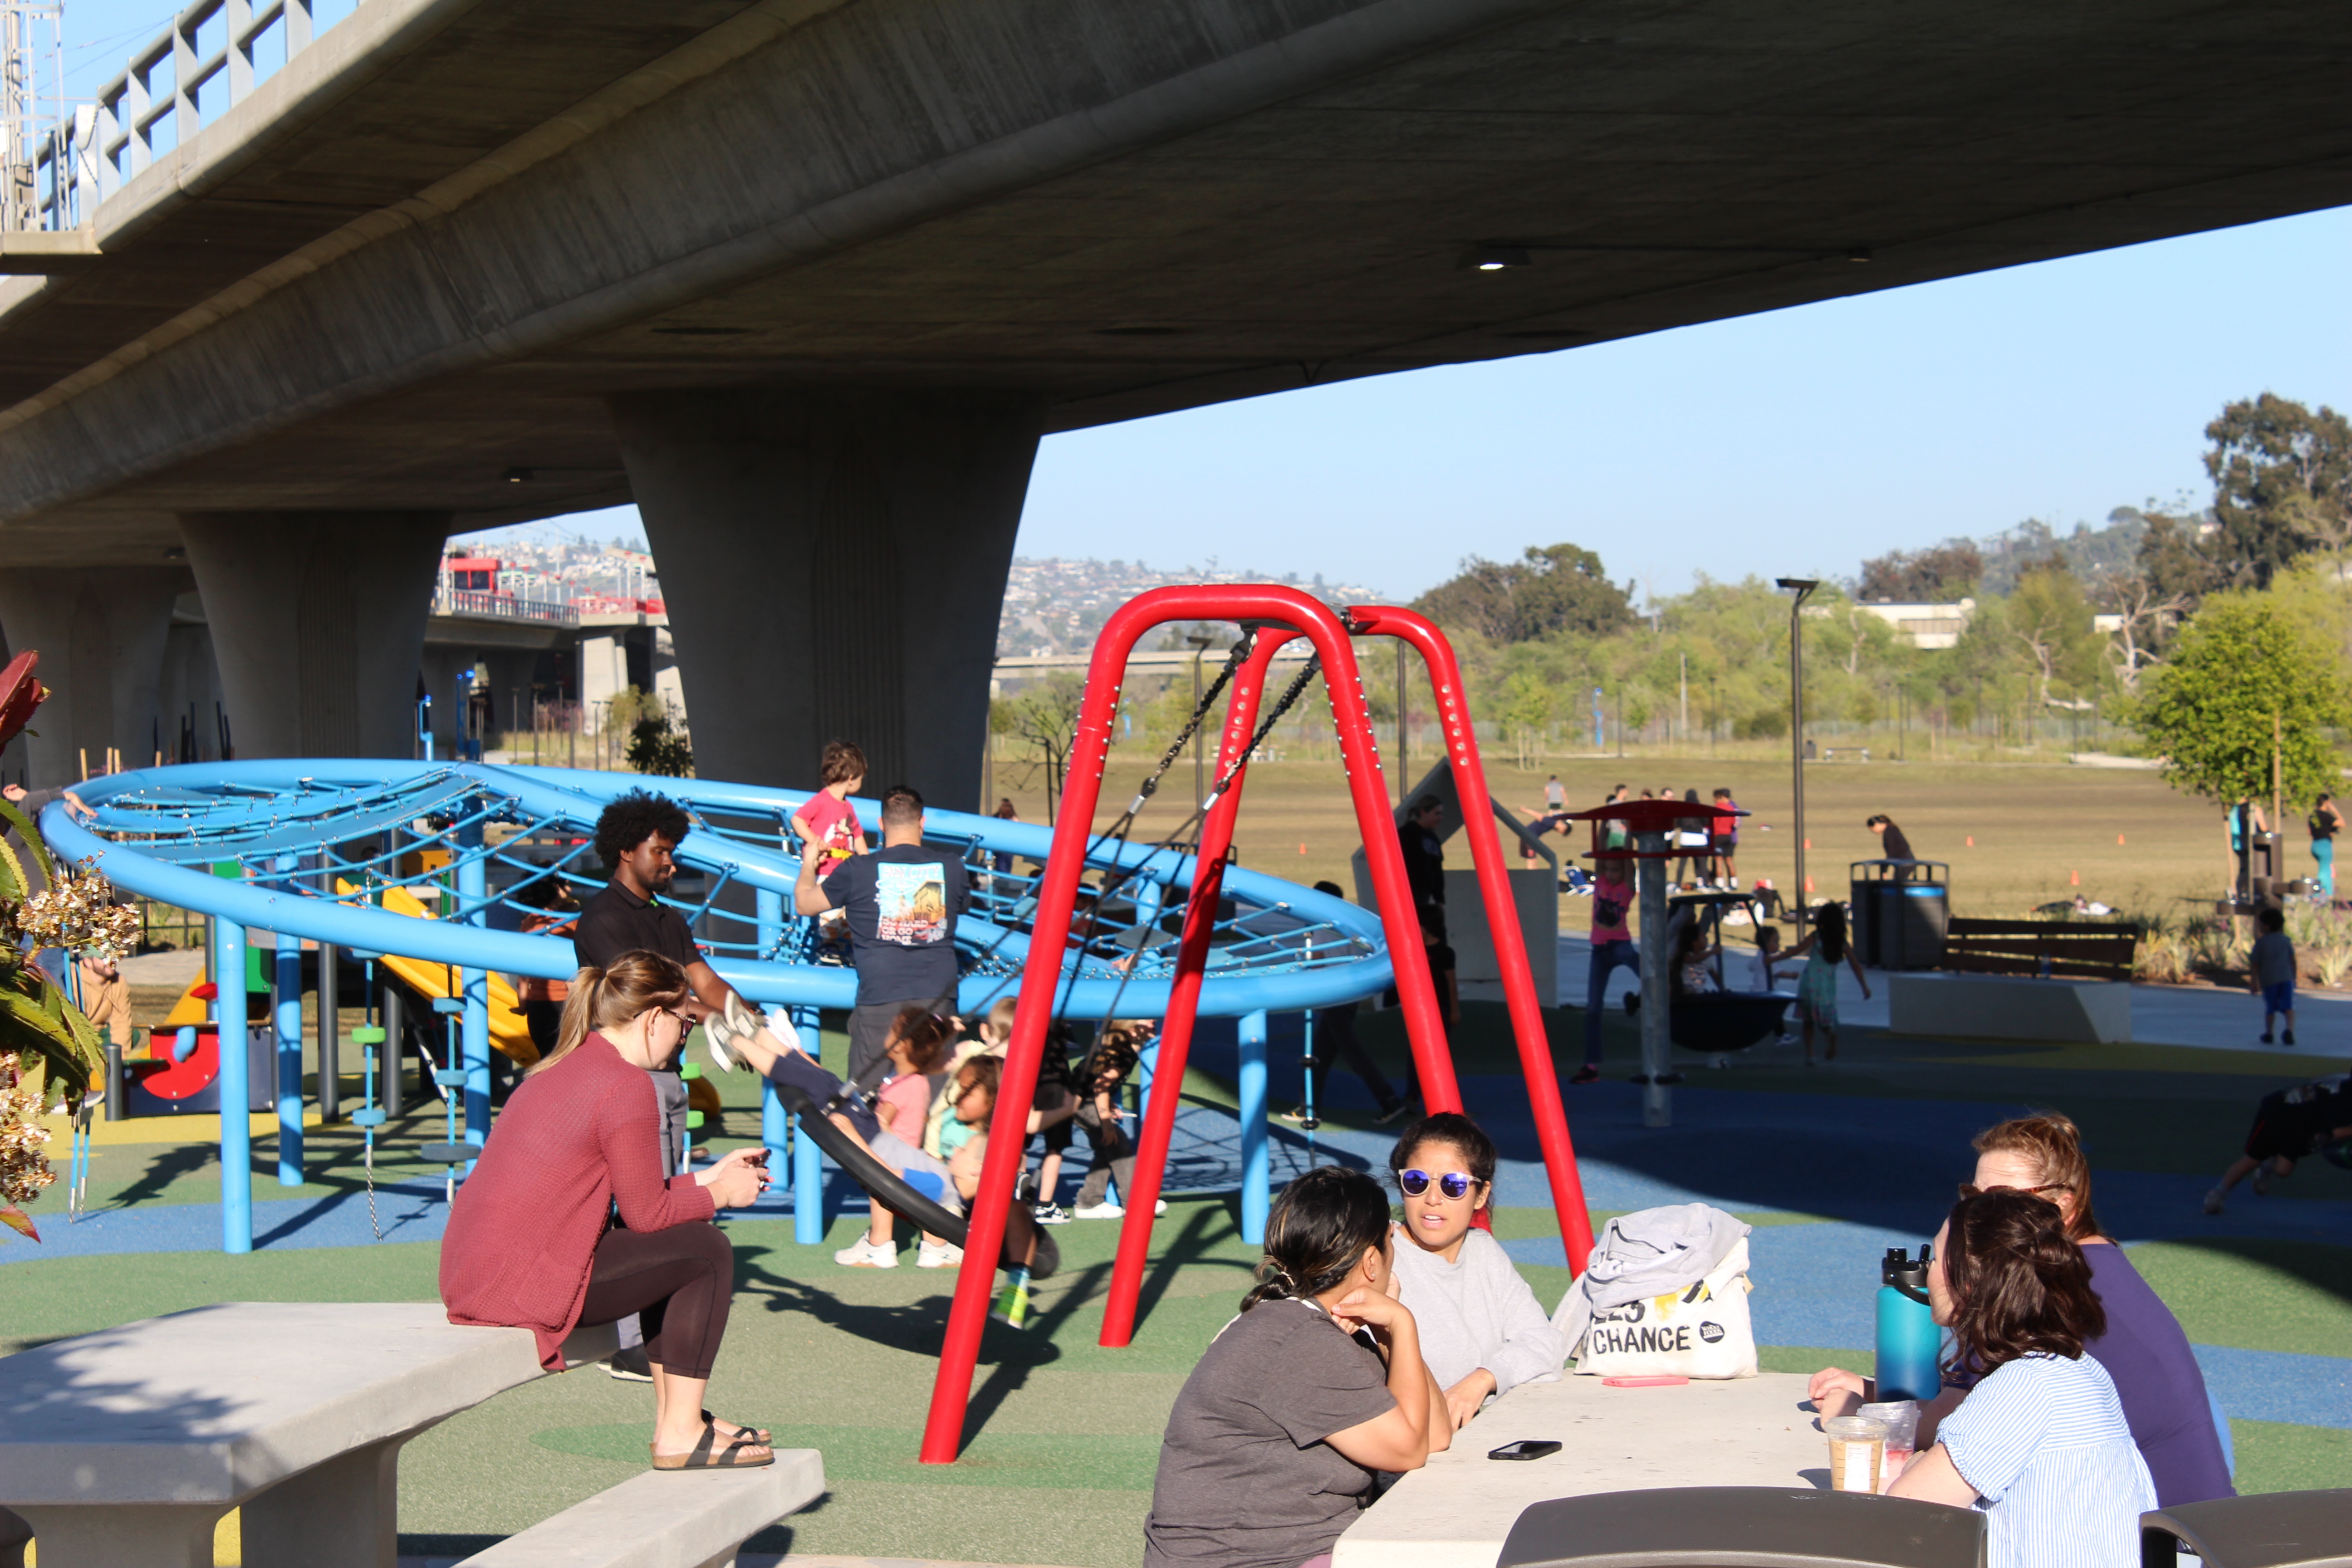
1830,1165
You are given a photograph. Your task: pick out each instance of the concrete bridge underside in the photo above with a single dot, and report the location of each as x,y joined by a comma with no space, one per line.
808,278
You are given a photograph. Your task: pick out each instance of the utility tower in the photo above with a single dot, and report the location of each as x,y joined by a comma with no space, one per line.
28,31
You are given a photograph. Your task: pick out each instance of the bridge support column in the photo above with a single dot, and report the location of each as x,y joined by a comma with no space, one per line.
318,623
834,563
100,632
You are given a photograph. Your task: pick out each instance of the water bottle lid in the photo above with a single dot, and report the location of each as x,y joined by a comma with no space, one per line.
1899,1272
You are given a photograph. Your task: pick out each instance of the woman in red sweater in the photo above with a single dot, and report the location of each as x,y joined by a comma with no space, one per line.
528,1243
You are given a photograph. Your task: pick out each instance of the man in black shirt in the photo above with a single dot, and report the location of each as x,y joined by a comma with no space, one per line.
901,903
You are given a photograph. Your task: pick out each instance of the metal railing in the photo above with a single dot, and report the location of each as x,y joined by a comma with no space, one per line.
502,607
106,143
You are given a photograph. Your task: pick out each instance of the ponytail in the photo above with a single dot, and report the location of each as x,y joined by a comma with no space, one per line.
602,998
1320,1228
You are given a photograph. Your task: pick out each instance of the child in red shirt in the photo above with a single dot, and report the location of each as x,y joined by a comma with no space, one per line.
828,825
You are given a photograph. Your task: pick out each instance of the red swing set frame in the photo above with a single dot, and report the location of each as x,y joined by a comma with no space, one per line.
1278,615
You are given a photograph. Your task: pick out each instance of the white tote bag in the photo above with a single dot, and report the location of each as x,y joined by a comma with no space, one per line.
1701,1330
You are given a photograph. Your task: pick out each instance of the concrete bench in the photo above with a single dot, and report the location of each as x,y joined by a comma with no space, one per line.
666,1518
128,1446
2009,1007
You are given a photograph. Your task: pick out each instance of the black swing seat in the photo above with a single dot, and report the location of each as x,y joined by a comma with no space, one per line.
885,1187
1719,1022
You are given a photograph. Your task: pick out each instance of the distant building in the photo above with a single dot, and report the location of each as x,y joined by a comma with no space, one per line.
1927,626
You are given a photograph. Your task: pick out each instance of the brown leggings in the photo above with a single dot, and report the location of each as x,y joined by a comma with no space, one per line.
678,1281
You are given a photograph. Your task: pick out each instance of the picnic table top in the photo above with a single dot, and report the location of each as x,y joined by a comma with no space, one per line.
218,1402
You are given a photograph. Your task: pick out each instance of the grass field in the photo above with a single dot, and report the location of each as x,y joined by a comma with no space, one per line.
2135,842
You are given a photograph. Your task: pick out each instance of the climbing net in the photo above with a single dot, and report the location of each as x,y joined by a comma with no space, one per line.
312,849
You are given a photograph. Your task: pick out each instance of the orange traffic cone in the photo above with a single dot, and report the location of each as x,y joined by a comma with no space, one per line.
2119,840
1972,840
1809,843
2073,878
1302,850
1809,884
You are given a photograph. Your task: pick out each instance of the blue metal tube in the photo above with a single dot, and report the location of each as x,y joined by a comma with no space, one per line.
288,978
775,1123
1258,1175
474,985
235,1088
808,1164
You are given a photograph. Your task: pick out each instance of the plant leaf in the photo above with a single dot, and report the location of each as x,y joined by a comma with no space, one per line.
18,1220
32,837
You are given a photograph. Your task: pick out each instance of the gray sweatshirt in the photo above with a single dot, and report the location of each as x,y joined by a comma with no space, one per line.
1477,1311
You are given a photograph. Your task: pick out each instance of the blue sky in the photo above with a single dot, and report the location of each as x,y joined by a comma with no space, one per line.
1793,443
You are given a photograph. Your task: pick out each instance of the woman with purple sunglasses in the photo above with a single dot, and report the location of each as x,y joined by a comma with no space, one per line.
1482,1330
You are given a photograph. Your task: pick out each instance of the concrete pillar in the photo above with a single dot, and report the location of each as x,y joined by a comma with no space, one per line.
318,622
510,672
100,632
833,562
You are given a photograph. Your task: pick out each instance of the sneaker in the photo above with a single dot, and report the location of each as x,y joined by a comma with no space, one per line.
2264,1176
1391,1114
946,1254
1050,1214
1296,1116
630,1365
1012,1307
1104,1211
1586,1075
2266,1036
2213,1201
2287,1037
867,1253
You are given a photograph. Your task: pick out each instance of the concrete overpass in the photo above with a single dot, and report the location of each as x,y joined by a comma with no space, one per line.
807,279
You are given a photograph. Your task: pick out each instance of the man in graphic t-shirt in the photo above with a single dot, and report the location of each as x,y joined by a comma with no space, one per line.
901,903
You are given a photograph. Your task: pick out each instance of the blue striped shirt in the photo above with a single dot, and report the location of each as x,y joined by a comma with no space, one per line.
2044,1444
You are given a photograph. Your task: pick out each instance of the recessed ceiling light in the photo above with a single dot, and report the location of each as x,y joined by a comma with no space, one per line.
702,332
1141,332
1496,257
1859,253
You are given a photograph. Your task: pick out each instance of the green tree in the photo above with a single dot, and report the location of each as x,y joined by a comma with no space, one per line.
1947,573
2054,624
1559,588
2243,672
1527,709
2278,468
1043,718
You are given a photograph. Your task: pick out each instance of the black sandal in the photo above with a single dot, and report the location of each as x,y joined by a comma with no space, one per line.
756,1433
701,1459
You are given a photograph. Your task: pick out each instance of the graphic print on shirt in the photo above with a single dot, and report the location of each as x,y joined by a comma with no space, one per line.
910,904
1608,908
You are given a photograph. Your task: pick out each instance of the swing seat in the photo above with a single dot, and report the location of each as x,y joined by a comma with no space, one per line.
1718,1023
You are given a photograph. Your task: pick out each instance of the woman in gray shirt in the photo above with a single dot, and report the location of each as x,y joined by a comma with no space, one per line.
1318,1382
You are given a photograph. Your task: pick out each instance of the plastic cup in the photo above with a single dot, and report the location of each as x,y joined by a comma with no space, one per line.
1902,1419
1857,1450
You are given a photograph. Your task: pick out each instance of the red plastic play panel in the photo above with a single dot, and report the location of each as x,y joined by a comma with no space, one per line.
178,1080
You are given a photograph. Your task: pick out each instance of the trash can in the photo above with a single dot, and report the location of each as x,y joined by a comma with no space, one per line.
1902,910
1868,929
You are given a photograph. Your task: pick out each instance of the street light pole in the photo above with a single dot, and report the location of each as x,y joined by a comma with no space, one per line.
1200,642
1803,587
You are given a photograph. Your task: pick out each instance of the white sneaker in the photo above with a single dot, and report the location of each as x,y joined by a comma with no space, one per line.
946,1254
2213,1201
720,1039
867,1253
2262,1179
1099,1211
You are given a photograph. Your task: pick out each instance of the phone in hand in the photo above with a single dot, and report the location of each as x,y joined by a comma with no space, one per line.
1525,1448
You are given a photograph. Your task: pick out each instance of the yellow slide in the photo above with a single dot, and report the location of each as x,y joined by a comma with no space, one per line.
508,1032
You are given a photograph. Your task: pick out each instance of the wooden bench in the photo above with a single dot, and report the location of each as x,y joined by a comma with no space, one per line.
127,1446
2051,950
666,1518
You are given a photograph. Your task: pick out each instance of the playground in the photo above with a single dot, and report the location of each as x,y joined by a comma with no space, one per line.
1053,1430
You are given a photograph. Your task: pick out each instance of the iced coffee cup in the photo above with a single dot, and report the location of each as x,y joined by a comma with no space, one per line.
1902,1419
1857,1451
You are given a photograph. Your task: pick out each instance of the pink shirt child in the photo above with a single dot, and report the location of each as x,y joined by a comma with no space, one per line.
910,1094
837,835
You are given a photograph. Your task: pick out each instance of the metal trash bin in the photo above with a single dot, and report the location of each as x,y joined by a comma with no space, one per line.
1706,1527
1902,910
2271,1530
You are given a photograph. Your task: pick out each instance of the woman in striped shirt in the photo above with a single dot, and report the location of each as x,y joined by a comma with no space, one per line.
2039,1446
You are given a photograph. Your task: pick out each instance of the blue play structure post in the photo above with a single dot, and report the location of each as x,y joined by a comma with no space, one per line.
808,1164
474,986
1257,1172
775,1123
234,1082
288,978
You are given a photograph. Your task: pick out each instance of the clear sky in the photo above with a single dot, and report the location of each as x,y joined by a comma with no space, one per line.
1789,443
1793,443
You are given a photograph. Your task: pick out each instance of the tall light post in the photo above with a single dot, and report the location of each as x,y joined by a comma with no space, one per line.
1200,641
1803,588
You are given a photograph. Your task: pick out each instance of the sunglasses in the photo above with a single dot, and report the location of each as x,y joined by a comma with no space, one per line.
1970,1190
1453,1183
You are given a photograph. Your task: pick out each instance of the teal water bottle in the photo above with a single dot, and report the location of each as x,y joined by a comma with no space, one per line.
1908,1339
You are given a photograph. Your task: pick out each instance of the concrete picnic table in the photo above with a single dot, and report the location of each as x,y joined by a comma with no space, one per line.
1455,1511
127,1446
